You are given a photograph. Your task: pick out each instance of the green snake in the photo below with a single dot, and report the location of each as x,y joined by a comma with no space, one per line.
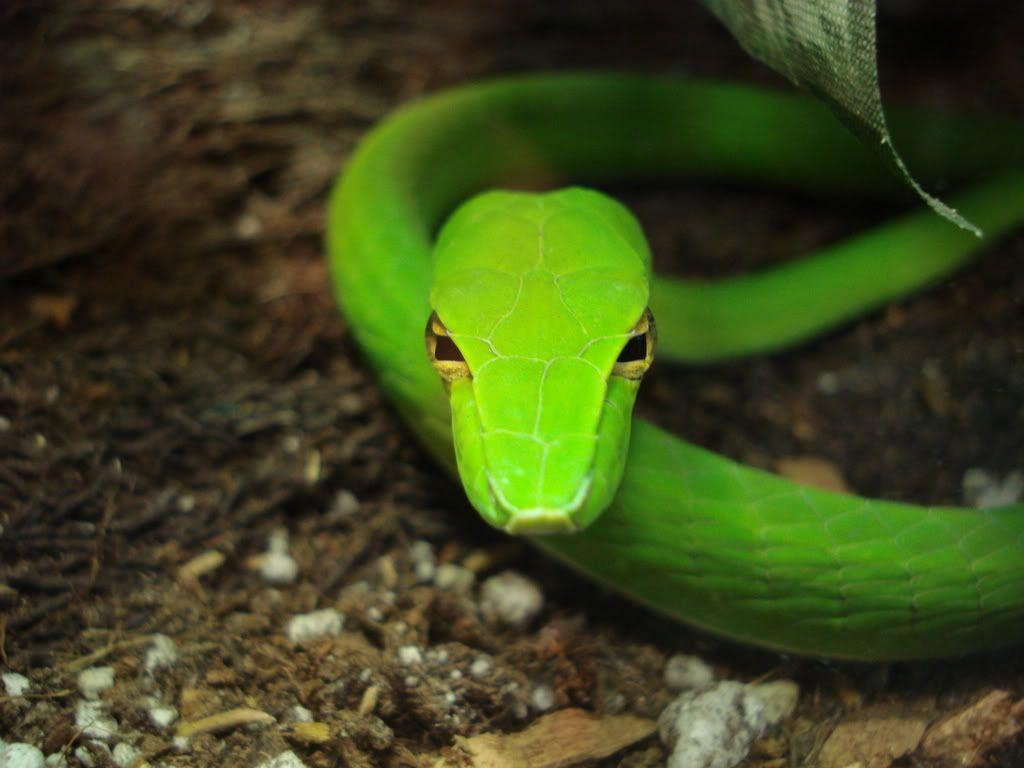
538,315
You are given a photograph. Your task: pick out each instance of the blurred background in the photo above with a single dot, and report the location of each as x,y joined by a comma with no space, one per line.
174,378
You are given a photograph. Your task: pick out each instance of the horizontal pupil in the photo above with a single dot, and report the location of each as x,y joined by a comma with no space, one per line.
446,350
635,350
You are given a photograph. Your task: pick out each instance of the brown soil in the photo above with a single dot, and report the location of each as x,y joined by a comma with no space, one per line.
174,379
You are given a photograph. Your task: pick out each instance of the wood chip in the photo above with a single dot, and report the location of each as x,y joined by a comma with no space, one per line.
559,740
813,471
224,721
310,733
77,665
965,736
368,702
875,743
200,565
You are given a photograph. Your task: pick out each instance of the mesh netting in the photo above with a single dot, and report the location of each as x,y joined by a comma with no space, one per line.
827,47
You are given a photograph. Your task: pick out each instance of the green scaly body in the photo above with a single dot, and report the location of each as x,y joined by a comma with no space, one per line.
726,547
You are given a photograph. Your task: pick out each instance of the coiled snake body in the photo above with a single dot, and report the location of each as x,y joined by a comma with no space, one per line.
536,314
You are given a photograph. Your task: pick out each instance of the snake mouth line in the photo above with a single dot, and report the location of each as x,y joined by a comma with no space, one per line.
541,520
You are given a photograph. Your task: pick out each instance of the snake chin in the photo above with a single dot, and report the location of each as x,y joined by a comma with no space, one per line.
542,520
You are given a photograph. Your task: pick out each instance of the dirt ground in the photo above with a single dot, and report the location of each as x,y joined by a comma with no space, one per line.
178,390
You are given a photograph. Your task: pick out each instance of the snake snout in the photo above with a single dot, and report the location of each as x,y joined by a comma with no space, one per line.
541,520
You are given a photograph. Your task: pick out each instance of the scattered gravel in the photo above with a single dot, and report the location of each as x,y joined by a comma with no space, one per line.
345,505
454,578
779,698
162,716
92,720
285,760
984,490
511,599
424,562
94,680
409,655
277,566
481,667
713,728
124,754
15,684
688,673
542,698
19,755
309,626
162,653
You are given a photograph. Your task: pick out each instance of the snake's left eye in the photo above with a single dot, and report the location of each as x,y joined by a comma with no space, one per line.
637,353
444,353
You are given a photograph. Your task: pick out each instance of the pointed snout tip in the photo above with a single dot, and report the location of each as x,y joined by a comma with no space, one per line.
541,521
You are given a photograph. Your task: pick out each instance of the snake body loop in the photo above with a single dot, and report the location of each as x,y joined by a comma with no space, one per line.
740,552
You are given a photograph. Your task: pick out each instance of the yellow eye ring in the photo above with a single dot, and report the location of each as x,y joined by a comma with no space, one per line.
444,353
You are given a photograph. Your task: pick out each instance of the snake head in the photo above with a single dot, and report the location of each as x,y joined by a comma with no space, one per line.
541,336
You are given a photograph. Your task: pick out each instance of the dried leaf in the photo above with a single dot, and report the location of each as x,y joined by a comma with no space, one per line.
564,738
224,721
875,743
966,735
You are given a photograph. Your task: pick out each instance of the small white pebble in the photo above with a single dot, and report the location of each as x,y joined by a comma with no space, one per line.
614,703
344,505
94,680
19,755
543,698
309,626
450,698
56,760
163,716
409,655
983,490
84,756
779,698
373,613
828,383
278,568
5,424
124,754
162,653
440,655
453,578
285,760
15,684
248,226
365,675
92,720
277,541
455,674
411,681
424,562
300,714
182,744
687,673
481,667
510,598
712,728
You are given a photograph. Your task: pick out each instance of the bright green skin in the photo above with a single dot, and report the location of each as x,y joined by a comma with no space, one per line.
694,535
542,428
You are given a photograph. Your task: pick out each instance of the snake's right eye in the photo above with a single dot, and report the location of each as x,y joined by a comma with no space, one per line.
444,353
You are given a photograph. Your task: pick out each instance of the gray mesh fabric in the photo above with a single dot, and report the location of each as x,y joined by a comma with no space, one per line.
827,47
